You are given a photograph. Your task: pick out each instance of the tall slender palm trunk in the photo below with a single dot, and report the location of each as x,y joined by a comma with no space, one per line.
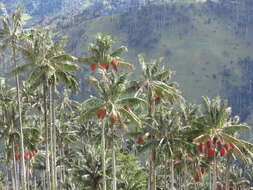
23,169
54,135
47,173
52,155
114,179
152,152
227,176
103,155
214,174
61,175
152,170
14,169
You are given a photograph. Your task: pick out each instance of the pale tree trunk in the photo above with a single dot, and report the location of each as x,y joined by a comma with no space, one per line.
13,180
214,174
14,168
47,173
51,139
227,176
23,169
61,149
152,169
103,155
54,135
114,179
210,178
28,176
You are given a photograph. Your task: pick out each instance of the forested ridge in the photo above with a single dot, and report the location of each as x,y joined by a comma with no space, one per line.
107,117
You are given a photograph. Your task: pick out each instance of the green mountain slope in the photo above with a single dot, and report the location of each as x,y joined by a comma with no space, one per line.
195,43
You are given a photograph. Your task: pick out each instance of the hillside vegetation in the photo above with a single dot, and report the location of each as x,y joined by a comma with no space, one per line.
203,48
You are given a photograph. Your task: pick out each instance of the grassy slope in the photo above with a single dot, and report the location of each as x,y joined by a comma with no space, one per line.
198,55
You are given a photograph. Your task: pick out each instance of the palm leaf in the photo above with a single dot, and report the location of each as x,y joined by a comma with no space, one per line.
235,128
118,51
67,66
87,60
131,116
132,101
63,57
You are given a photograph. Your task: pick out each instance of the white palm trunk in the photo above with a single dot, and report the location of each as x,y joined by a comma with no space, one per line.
14,169
103,155
214,174
114,180
54,135
47,173
51,139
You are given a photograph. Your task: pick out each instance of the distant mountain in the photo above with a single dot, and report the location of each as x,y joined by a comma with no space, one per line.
207,49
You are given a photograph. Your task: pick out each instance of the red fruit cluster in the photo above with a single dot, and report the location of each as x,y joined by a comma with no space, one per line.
101,113
27,155
139,139
228,147
93,67
210,153
104,66
202,170
208,144
115,65
201,147
222,152
210,147
113,118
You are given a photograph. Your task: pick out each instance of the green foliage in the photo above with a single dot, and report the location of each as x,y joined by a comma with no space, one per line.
131,175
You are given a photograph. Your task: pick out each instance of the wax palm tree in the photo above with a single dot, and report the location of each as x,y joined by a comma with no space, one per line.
102,55
217,124
154,86
49,65
111,90
9,37
112,101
